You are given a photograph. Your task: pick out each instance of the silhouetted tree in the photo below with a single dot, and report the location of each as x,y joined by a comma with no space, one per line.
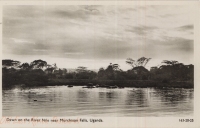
111,72
10,63
101,73
131,62
115,67
140,62
81,69
170,62
172,71
38,64
138,73
25,66
83,73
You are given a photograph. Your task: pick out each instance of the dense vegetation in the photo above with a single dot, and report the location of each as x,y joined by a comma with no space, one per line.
39,73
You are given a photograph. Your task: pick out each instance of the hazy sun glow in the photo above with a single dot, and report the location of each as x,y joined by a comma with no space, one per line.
94,36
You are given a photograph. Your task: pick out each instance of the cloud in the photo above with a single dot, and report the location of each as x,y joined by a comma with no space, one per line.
97,32
73,53
185,27
167,15
21,41
141,30
80,12
177,43
91,8
40,50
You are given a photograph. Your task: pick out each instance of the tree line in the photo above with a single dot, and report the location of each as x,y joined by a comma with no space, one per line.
39,72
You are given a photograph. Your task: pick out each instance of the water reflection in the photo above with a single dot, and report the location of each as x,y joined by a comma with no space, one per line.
137,97
79,101
82,96
172,97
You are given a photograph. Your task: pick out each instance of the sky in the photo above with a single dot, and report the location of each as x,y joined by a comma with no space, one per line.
95,36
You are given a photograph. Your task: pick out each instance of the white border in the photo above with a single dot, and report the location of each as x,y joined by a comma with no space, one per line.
153,122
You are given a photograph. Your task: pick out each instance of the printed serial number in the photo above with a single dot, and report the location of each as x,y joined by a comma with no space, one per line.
186,120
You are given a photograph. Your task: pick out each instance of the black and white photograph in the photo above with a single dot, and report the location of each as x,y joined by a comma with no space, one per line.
98,60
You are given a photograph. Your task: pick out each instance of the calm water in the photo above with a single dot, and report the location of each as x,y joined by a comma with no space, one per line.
78,101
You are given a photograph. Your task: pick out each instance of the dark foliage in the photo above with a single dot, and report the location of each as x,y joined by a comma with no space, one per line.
30,78
34,74
10,63
173,72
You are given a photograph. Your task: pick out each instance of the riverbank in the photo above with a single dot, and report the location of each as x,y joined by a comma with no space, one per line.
123,83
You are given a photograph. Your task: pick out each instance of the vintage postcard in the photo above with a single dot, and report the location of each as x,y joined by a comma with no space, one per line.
100,64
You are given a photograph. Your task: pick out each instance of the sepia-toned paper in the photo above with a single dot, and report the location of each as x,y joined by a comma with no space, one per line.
129,122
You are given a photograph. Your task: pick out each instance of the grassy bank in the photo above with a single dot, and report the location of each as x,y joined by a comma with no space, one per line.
124,83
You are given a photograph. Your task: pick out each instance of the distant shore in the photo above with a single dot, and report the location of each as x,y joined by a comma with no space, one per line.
123,83
171,73
118,83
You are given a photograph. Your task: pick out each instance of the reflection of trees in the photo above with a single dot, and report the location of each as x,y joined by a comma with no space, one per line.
137,97
108,97
111,96
191,94
172,96
82,96
101,95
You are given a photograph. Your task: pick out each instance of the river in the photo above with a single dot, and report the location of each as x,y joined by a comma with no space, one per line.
78,101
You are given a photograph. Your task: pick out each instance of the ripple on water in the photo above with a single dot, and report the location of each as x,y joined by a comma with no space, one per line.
78,101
